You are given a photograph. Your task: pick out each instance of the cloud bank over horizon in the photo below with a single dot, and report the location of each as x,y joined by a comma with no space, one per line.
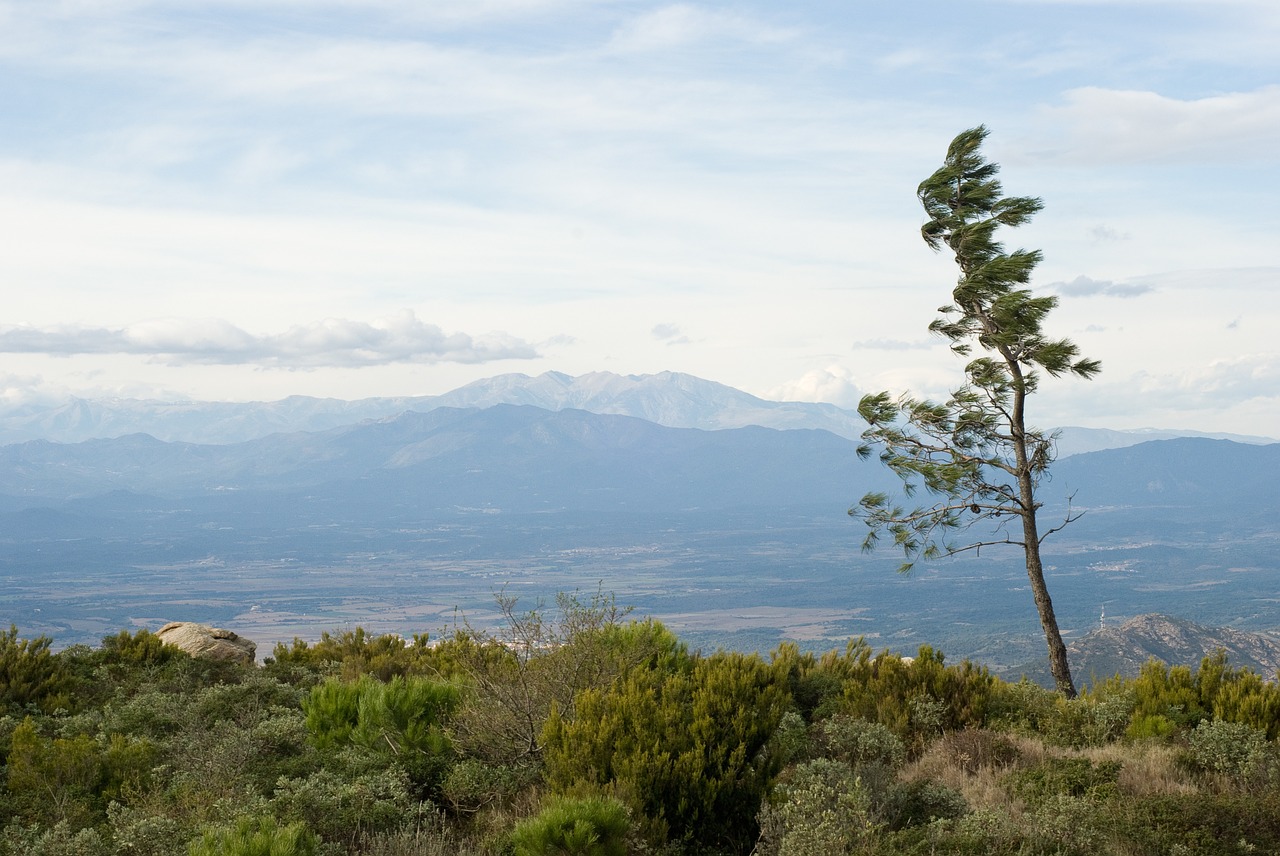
330,343
722,191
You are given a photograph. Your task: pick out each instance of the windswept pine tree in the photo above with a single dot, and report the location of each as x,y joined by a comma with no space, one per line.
976,451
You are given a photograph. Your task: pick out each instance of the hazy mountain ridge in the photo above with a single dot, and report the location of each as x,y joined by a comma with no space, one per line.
503,453
504,456
740,531
671,399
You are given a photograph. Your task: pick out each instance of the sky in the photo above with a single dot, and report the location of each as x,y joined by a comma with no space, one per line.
249,199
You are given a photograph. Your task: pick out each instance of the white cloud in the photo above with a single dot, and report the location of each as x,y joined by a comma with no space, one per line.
670,334
1223,383
1103,233
1208,397
402,338
834,385
681,25
893,345
1083,286
21,390
1136,126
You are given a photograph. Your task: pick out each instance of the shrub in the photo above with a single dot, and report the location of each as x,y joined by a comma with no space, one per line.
1072,777
1095,718
920,802
1231,749
694,747
1217,691
820,809
1242,696
138,833
401,720
58,840
916,698
574,827
471,784
535,662
71,778
1150,727
858,742
30,674
1203,824
975,749
340,809
354,653
223,759
255,837
870,749
141,648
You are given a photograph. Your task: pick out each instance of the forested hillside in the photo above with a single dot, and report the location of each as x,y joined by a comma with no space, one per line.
579,730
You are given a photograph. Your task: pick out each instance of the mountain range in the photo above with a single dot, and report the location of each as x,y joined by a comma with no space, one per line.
512,457
671,399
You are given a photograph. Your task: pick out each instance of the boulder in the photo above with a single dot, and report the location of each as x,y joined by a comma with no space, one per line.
208,643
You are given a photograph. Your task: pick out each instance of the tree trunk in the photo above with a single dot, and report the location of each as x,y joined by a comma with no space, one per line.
1058,664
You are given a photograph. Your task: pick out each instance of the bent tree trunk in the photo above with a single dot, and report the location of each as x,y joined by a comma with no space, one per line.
1058,665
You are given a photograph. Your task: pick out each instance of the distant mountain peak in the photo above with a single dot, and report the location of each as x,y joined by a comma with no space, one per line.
1125,648
1179,641
669,398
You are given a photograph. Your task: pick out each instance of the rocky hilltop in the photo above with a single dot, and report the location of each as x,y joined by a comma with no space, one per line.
1124,648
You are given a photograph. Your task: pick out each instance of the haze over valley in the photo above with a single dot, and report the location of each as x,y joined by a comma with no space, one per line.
734,537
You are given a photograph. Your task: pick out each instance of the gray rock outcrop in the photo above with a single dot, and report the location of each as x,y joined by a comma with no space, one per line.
208,643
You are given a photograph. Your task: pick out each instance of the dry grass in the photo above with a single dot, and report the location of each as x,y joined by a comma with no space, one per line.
1147,769
976,763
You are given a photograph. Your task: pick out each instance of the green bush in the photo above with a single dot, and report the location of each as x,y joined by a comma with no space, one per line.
871,750
818,809
401,720
137,832
791,739
920,802
1231,749
1214,691
574,827
256,837
858,742
61,839
916,698
1071,777
1096,717
471,784
1242,696
341,809
141,648
353,653
1201,824
694,747
1150,727
225,759
30,674
535,662
72,779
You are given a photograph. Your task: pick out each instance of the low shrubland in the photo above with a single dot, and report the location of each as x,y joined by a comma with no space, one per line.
577,730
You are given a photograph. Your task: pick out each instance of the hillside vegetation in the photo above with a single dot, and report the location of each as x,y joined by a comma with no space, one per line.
576,730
